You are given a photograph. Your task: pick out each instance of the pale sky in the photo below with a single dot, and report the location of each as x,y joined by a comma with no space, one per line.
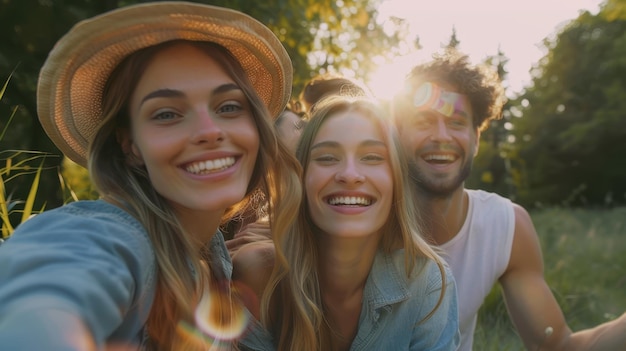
518,27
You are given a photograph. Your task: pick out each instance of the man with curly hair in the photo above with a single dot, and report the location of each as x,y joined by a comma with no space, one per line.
486,238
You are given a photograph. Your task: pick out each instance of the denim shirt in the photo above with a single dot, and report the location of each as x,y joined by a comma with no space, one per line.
89,259
393,310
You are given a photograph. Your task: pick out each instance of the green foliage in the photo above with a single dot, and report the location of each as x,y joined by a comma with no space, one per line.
584,266
573,127
75,182
493,166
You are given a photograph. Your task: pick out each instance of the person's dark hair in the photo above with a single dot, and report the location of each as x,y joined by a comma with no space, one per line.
480,83
292,106
327,84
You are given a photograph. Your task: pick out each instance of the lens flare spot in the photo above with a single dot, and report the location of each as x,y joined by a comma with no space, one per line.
220,315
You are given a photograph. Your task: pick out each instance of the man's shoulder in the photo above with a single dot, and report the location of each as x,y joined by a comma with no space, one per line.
486,196
493,199
488,206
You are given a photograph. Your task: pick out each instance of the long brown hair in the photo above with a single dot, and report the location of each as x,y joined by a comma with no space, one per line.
183,273
291,306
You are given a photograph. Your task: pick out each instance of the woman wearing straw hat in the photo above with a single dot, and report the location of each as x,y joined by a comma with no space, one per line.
170,106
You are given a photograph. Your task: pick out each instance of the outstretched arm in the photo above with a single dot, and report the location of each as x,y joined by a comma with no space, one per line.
606,336
533,308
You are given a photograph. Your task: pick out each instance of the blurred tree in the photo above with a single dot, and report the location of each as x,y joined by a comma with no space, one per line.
492,166
572,133
318,34
454,41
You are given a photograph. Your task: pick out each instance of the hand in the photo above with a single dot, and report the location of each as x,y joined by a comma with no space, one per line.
252,232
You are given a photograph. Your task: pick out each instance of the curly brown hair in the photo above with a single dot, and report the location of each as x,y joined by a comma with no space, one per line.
479,82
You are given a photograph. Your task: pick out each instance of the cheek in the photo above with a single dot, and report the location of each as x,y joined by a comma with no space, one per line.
466,138
247,135
151,150
314,182
385,181
310,186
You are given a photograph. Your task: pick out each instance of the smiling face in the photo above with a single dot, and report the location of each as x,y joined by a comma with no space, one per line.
192,128
441,145
348,179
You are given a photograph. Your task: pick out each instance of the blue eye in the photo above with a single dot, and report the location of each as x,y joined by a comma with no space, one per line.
166,115
230,109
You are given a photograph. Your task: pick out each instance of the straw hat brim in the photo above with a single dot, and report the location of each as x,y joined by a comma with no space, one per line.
73,77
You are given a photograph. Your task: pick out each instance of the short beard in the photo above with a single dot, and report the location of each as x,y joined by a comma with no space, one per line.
437,190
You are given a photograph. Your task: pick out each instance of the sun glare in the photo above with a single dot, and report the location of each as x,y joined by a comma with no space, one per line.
482,27
387,80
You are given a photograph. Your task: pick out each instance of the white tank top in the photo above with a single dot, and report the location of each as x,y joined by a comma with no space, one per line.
479,254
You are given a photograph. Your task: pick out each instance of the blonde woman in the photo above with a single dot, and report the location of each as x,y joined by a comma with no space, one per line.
353,273
170,106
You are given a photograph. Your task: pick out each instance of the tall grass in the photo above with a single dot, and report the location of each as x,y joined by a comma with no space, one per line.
584,251
16,164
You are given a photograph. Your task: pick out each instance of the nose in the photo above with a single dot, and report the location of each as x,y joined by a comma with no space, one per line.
349,173
440,130
206,129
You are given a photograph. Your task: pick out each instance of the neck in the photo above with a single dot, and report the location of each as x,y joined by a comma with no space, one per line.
345,263
201,225
444,215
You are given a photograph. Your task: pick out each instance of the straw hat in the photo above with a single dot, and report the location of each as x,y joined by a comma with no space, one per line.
72,79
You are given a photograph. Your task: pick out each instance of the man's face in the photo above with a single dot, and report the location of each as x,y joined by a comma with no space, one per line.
436,130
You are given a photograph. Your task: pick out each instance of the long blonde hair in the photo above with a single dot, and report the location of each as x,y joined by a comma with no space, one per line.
184,273
291,306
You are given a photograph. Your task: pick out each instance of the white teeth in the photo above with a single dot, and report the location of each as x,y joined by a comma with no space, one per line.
210,165
439,158
350,200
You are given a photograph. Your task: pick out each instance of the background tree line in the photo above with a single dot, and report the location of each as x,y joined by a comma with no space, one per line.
561,141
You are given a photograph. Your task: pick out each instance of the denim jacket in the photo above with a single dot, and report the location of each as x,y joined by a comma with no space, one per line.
393,310
87,258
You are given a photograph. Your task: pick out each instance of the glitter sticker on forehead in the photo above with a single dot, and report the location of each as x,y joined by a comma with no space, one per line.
432,96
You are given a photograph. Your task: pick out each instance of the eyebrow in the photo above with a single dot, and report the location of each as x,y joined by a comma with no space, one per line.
162,93
368,142
172,93
431,111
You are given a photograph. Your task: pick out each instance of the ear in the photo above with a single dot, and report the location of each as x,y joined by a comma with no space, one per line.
130,150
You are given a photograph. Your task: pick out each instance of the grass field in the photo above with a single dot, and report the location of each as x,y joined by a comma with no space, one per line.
584,252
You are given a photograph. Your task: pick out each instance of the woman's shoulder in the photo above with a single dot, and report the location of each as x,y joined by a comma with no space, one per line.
84,214
85,225
425,272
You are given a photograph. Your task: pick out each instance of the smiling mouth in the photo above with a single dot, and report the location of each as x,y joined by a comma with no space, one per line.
354,201
210,166
439,158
